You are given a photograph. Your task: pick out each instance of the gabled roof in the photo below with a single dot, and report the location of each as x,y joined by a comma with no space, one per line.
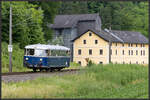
102,34
68,21
118,36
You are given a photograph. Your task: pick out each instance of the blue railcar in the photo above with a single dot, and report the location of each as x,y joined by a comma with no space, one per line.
48,57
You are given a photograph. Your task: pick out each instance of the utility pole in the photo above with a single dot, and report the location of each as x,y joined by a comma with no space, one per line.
10,40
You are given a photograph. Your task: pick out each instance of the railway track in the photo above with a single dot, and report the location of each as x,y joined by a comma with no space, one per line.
31,72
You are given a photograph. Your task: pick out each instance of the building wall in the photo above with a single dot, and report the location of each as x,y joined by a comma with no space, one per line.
102,44
68,34
126,58
90,44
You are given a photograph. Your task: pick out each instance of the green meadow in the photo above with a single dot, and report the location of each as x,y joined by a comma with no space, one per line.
95,81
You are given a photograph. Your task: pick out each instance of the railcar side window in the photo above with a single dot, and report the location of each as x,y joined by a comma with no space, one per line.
59,53
48,53
40,52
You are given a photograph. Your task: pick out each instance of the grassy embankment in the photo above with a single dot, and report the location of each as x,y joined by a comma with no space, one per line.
97,81
17,58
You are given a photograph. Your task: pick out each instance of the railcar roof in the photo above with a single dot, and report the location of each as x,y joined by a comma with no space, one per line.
45,47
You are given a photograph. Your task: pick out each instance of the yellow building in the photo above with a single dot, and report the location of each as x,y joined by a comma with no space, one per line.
103,47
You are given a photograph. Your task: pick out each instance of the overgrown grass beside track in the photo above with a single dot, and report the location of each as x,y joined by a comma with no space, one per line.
17,58
96,81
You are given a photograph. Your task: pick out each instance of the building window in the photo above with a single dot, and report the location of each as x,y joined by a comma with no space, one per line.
84,41
129,52
96,41
90,51
79,62
116,52
100,62
144,52
60,32
79,52
90,34
136,52
141,52
141,45
101,52
123,52
123,45
116,44
136,45
131,45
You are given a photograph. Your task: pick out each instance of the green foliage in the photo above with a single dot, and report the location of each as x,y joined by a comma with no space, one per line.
17,58
50,10
57,40
90,63
26,23
73,7
132,16
97,81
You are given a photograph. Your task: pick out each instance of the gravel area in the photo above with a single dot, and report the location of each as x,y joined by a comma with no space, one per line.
24,77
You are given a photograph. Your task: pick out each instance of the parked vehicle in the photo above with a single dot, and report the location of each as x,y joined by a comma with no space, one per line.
47,57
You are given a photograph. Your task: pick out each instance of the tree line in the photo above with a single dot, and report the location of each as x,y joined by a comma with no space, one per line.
31,19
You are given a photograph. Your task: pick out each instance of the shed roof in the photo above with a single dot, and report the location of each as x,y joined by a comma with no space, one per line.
68,21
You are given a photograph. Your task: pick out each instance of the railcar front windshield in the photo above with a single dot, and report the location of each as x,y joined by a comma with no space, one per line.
29,51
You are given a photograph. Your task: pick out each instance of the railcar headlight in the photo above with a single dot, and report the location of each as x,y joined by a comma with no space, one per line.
27,58
66,63
41,59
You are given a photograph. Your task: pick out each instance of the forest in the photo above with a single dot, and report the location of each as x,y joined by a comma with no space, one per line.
31,19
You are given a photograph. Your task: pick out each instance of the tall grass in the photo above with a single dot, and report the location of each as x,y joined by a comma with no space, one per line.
17,58
96,81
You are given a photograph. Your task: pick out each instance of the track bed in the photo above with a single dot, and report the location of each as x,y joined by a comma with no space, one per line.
23,76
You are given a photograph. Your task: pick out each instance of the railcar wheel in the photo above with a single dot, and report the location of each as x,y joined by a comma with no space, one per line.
51,69
41,70
59,69
34,69
47,70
